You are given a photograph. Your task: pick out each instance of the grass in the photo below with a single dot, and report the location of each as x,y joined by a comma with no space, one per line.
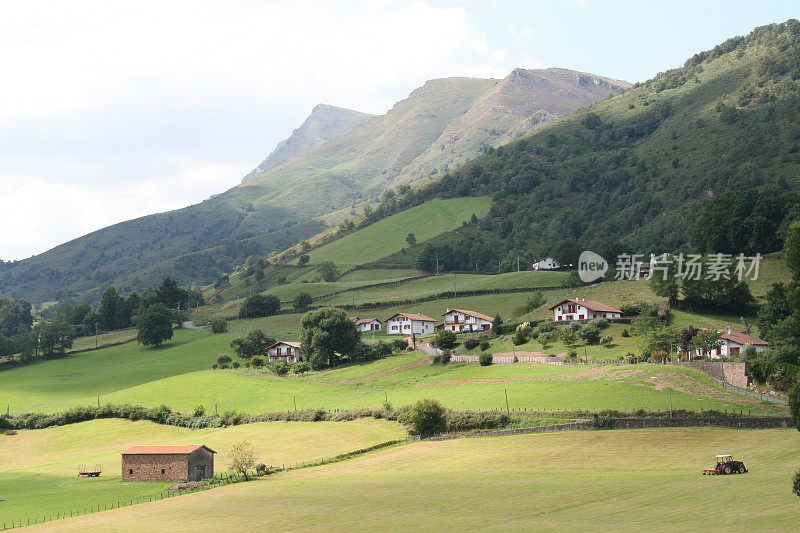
381,274
388,235
641,480
38,468
104,339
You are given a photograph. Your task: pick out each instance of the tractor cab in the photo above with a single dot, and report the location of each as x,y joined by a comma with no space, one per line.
726,465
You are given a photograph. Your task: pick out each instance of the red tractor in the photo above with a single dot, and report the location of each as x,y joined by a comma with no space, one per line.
726,465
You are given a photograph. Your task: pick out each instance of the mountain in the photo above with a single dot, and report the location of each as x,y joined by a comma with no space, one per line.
280,207
325,123
634,173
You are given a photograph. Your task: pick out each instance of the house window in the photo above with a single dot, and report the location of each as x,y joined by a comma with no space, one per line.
163,471
130,470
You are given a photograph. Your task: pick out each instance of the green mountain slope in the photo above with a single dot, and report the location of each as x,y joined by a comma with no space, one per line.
636,170
277,208
324,124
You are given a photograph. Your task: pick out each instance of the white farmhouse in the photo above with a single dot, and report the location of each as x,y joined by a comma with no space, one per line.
285,351
459,320
409,323
583,309
369,325
548,263
733,343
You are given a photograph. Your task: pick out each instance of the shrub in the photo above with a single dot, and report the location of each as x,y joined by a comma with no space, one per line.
427,417
485,345
260,305
301,367
199,411
281,368
796,486
625,333
219,325
485,359
257,361
223,358
235,364
471,344
572,355
442,358
605,341
602,421
445,339
261,468
590,334
794,405
599,323
515,360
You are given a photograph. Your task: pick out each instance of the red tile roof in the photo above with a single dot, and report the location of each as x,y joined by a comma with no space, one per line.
166,450
470,313
287,343
591,305
741,338
413,316
360,321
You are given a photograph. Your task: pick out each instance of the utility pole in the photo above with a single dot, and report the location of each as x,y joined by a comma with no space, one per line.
507,409
95,334
670,403
455,287
517,263
437,263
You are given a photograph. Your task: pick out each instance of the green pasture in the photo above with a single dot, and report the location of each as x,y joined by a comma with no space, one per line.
38,468
639,480
389,235
380,274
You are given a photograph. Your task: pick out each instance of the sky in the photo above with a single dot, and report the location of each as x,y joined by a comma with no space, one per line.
112,110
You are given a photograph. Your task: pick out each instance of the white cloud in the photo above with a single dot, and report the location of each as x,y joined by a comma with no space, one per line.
103,103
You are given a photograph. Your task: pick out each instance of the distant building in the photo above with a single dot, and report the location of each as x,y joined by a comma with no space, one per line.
583,309
370,325
548,263
409,323
285,351
460,320
733,343
168,463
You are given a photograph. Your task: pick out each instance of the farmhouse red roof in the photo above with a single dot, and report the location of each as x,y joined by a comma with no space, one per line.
166,449
591,305
360,321
741,338
287,343
414,316
470,313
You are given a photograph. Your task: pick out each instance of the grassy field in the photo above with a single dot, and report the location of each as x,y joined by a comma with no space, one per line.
639,480
104,339
173,376
389,235
38,468
444,283
381,274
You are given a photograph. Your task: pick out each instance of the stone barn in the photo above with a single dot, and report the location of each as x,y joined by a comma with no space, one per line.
168,463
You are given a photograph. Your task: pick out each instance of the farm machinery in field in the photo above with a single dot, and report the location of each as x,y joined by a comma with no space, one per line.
90,470
726,465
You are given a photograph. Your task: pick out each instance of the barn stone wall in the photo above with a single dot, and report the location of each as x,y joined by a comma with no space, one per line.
155,467
734,372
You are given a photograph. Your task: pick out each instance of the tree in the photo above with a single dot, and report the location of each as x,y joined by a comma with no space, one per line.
255,343
110,307
155,325
567,251
707,340
590,334
794,405
663,281
796,484
445,339
568,336
411,239
497,322
171,295
260,305
15,317
775,308
242,458
545,338
302,302
659,340
328,271
325,333
427,417
303,260
55,338
685,338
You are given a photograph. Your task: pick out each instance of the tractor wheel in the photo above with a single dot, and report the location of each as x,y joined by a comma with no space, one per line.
726,469
742,469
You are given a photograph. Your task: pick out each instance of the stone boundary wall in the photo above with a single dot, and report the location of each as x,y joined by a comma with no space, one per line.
764,422
735,373
507,358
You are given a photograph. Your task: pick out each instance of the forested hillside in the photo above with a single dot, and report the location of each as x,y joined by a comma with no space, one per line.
636,171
